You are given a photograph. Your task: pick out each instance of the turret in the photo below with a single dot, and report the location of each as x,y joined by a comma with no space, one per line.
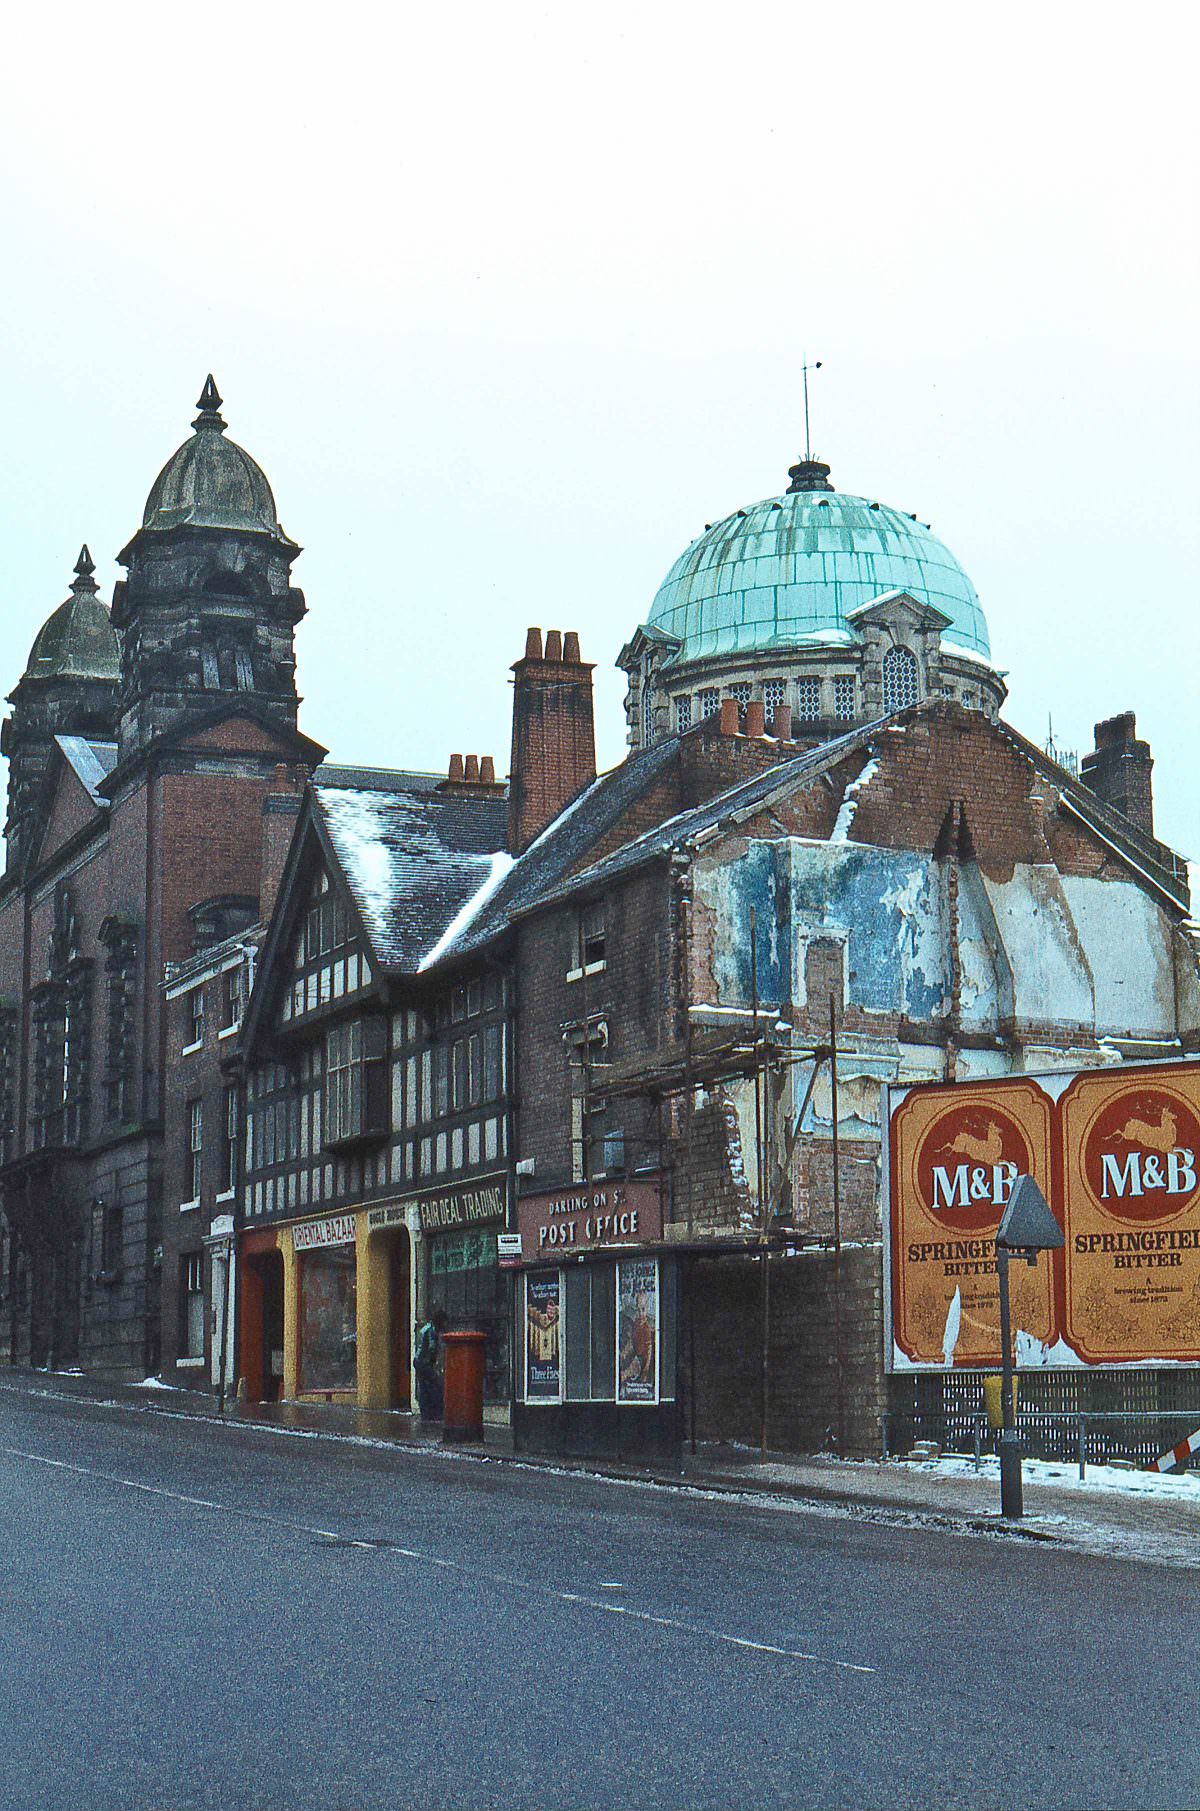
208,610
69,687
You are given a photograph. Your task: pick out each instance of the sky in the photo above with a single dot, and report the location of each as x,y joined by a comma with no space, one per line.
510,301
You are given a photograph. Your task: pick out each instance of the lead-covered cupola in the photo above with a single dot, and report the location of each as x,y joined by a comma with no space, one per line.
836,607
208,610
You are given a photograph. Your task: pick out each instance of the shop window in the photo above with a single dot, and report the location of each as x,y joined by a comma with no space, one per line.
543,1336
900,679
464,1279
590,1327
357,1094
638,1331
191,1316
329,1320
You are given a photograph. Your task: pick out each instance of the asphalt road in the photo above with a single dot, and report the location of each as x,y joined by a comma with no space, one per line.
228,1618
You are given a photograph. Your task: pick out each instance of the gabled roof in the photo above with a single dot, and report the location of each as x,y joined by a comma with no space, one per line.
743,800
412,857
562,845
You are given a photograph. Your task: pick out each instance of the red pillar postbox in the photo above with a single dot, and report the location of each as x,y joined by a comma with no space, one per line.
463,1417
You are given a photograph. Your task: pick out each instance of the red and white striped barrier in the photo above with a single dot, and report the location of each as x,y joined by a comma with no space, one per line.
1177,1454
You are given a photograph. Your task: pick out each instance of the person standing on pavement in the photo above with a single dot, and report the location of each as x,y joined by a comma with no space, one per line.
425,1364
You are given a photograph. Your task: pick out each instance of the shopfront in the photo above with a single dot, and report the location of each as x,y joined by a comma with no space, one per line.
597,1313
459,1269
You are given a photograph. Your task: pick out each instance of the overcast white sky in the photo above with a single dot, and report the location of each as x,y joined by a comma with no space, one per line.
509,301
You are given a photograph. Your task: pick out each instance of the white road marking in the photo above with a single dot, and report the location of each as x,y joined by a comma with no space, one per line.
467,1568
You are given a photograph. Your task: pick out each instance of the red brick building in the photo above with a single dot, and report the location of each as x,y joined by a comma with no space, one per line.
141,750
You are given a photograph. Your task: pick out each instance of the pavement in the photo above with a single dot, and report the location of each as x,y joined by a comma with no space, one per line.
258,1615
1103,1514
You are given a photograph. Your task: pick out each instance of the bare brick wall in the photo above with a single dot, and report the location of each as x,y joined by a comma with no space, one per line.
820,1302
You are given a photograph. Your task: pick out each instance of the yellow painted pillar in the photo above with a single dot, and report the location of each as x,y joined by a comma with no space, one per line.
291,1314
374,1318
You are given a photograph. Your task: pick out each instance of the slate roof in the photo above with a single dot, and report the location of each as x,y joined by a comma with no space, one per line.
91,762
412,857
745,798
537,874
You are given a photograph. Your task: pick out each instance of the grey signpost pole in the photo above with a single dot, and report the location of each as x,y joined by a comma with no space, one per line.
1011,1504
1027,1227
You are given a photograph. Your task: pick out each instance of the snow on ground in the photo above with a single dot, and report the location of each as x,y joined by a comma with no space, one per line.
1181,1488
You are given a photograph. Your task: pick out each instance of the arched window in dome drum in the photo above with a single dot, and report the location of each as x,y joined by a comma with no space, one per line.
899,679
647,713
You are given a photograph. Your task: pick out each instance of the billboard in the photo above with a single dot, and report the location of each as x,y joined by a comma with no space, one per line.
1117,1155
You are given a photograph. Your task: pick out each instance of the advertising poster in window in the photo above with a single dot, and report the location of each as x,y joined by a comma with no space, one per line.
543,1338
637,1330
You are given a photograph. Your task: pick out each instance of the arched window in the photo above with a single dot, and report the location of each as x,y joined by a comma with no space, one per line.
899,679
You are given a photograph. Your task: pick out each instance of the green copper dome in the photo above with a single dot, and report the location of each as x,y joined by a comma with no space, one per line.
788,571
211,482
78,641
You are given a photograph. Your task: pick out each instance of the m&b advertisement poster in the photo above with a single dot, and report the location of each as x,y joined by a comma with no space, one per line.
543,1344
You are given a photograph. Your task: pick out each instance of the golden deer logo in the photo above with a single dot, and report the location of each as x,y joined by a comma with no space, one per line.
1162,1137
988,1150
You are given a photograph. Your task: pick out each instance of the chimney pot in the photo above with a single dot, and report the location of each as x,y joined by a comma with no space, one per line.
472,769
755,718
533,644
487,770
729,716
553,645
283,779
571,647
781,722
456,767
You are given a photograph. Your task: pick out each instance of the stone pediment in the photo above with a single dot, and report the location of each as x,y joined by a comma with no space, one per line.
895,608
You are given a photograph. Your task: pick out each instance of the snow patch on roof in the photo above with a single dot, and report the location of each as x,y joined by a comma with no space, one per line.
355,819
499,864
845,817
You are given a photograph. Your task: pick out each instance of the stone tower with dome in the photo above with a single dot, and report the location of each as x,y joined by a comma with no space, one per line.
208,611
155,770
69,687
831,609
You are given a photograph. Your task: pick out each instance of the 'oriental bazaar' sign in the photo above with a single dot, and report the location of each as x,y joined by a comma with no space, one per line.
1117,1155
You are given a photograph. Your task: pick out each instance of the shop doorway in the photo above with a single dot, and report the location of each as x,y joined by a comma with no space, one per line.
262,1326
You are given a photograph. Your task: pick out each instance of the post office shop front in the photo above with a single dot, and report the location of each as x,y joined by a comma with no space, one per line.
597,1314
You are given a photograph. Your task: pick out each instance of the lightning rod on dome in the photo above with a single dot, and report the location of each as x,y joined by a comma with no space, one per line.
806,368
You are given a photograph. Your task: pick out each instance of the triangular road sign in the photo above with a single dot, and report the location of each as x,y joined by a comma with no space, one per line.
1028,1224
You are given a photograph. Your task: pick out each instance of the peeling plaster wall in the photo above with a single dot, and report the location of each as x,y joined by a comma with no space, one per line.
1128,943
1051,976
889,904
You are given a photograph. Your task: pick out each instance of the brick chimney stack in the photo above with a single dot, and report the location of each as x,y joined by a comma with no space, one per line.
280,807
1118,771
553,738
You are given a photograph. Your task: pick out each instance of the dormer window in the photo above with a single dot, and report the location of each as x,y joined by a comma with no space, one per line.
900,679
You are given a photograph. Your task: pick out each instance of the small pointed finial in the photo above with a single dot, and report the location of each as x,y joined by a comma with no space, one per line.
209,406
83,584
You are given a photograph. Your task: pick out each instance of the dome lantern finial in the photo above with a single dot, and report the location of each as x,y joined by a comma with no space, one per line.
85,565
209,405
808,474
